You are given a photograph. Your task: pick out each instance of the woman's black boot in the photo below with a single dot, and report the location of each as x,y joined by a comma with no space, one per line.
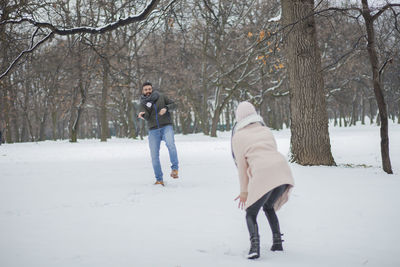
277,242
254,252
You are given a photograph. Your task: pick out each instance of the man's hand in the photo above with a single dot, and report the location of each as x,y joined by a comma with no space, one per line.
242,201
140,115
162,111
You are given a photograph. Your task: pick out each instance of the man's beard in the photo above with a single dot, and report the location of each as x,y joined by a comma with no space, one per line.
147,94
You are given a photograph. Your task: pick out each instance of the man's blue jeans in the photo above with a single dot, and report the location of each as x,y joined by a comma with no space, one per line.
165,133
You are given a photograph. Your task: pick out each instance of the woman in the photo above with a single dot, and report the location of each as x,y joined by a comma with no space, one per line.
264,174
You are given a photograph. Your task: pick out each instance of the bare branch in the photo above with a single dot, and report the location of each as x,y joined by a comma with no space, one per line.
33,37
388,60
78,30
395,15
383,9
346,54
27,51
210,9
92,30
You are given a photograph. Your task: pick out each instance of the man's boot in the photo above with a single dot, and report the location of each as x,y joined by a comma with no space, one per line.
277,242
174,174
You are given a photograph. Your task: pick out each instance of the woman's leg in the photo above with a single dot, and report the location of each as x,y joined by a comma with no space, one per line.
269,207
273,221
251,220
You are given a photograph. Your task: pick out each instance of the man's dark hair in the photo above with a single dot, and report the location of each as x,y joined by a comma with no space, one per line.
147,83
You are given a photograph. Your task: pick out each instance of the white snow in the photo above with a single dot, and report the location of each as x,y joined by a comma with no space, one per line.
94,204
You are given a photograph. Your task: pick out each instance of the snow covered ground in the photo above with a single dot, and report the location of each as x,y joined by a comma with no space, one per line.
94,204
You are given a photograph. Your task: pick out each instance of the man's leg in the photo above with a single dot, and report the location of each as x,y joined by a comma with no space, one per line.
154,144
168,137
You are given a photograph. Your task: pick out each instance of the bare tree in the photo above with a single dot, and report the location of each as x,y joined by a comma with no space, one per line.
377,69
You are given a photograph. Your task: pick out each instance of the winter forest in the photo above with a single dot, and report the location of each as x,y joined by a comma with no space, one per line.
207,55
323,74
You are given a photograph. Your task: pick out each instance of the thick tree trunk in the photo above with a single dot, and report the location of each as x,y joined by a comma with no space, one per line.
204,117
54,124
42,129
6,101
310,143
72,118
24,130
217,113
362,110
373,57
398,113
371,110
279,121
215,120
335,123
228,118
131,125
4,108
76,124
8,136
103,106
14,117
354,115
186,121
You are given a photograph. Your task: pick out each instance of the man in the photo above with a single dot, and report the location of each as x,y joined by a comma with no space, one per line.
155,108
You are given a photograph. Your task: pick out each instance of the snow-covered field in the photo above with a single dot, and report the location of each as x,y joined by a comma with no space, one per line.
94,204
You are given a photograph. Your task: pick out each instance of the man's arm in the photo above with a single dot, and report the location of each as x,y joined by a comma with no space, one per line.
143,113
169,104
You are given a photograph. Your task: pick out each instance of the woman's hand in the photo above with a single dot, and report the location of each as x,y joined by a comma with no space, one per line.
242,201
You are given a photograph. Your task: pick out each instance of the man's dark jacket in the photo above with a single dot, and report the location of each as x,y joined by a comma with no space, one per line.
152,105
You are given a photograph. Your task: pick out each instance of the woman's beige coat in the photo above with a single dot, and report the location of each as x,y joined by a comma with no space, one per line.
261,167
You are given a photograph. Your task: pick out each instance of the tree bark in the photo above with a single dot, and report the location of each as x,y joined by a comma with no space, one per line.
217,113
362,110
228,117
4,85
103,106
42,129
215,120
8,136
81,106
310,143
398,113
54,124
80,86
354,115
373,57
371,110
14,114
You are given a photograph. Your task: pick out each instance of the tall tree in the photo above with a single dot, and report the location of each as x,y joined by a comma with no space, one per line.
310,143
377,69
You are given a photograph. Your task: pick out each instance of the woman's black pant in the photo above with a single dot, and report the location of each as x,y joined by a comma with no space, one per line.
267,203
